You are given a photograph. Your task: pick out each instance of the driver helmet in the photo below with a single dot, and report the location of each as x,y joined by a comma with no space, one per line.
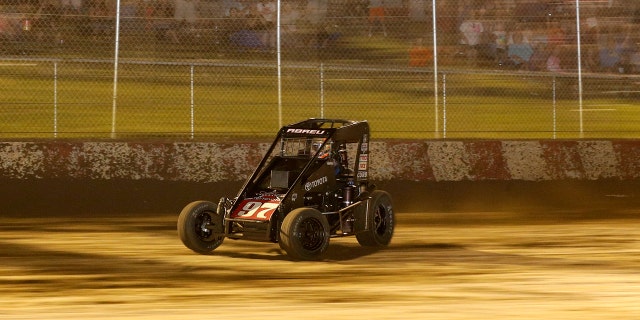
317,144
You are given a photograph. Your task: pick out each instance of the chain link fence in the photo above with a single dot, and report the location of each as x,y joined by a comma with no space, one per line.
202,68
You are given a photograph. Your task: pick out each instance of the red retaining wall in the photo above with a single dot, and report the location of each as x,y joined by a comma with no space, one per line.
425,160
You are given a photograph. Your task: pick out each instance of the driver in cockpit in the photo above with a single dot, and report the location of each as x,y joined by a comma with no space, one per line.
317,145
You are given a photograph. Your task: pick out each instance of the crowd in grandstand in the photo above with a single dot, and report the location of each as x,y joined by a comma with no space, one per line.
543,35
520,34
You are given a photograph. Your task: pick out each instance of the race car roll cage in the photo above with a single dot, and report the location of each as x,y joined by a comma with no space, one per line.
352,181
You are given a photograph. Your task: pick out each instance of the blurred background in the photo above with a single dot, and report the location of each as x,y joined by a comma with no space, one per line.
243,68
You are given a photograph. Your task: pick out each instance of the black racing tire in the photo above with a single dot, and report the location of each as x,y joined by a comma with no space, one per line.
380,221
201,226
304,234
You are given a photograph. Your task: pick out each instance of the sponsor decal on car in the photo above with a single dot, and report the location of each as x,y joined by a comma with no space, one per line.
256,209
364,147
318,182
306,131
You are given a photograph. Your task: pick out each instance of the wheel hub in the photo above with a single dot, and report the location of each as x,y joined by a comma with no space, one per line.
311,234
379,220
203,221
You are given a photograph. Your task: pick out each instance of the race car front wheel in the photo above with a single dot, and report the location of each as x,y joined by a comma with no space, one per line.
304,234
200,226
380,221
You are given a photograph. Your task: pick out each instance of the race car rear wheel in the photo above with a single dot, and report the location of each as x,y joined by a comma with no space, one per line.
200,226
380,221
304,234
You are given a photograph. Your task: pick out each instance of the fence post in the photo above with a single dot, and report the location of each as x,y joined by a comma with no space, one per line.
116,55
322,90
553,90
444,105
55,99
579,58
192,104
435,65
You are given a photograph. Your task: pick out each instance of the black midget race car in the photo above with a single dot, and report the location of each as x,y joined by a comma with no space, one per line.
312,185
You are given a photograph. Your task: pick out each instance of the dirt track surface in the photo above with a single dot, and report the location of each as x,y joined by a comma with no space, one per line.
440,266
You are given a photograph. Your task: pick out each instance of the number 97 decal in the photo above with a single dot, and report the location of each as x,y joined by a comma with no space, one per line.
256,210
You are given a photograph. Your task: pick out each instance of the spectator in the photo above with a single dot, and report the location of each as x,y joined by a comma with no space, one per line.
267,10
554,62
8,28
531,11
288,22
446,25
629,49
313,21
538,60
162,14
48,22
589,40
185,11
99,17
499,43
376,16
610,55
147,8
539,43
232,4
71,6
316,11
471,30
249,34
465,9
419,55
185,16
519,52
417,13
508,5
634,62
232,24
555,34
